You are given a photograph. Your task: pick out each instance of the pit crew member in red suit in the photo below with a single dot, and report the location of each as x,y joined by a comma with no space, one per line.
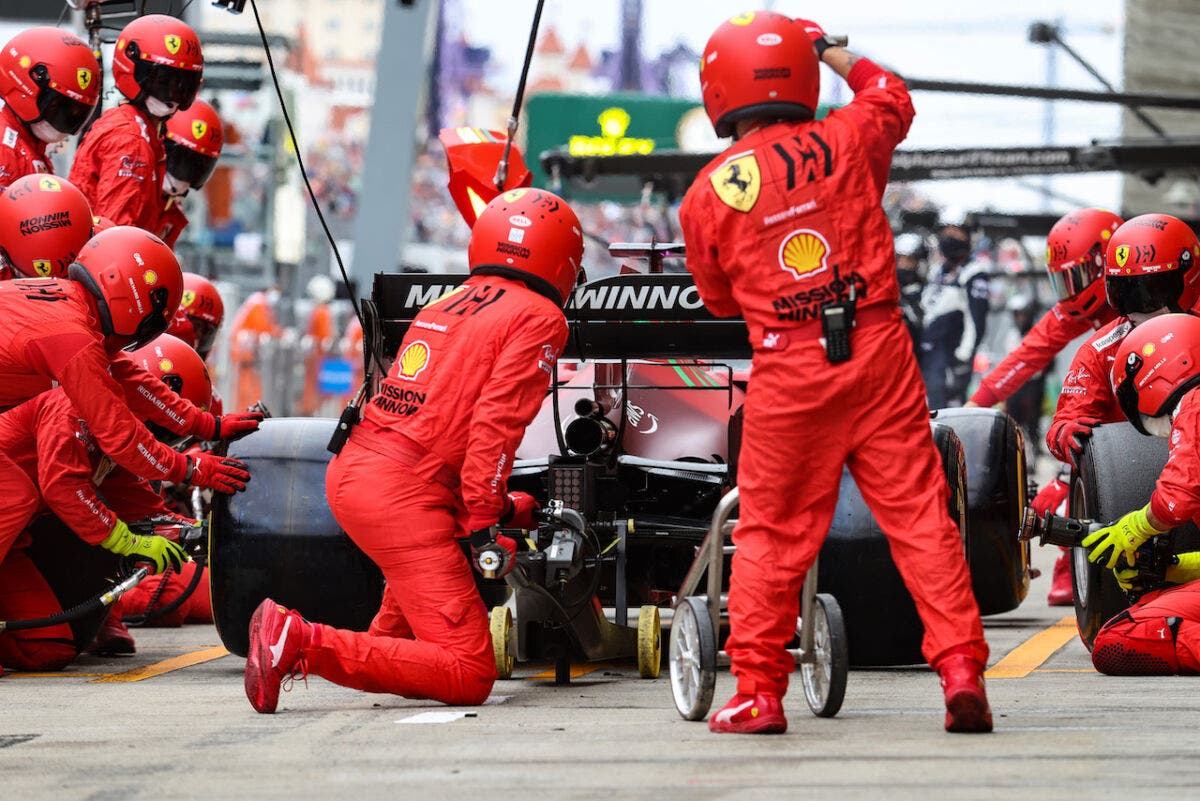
192,145
44,222
435,448
157,66
50,84
1149,269
77,482
126,286
1155,375
1075,261
781,226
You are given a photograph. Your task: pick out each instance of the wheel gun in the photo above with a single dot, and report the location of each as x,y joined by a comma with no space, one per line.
1153,557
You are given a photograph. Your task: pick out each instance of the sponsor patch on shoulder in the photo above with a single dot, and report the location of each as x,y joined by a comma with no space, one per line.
10,137
1113,337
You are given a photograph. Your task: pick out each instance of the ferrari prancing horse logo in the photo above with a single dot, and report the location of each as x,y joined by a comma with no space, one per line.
199,129
738,181
1122,255
172,43
84,76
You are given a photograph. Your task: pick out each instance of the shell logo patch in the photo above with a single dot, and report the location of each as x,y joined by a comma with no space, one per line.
84,77
166,365
1148,349
1106,234
42,268
1122,255
49,184
150,277
413,359
737,182
24,61
172,42
189,297
199,129
804,253
742,19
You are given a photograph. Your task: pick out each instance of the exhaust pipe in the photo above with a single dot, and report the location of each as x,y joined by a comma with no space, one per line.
591,432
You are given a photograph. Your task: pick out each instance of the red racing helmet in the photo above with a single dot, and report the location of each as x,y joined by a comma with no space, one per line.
1150,264
204,309
135,279
49,75
44,222
759,64
531,235
193,143
1075,259
176,364
1157,362
101,223
158,56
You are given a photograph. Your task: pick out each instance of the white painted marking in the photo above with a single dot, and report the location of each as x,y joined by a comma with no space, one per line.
447,716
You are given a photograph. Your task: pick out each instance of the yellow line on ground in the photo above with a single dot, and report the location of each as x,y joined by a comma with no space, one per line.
576,671
59,675
1029,655
165,666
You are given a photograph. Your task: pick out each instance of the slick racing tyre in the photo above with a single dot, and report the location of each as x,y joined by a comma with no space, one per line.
1117,473
994,450
278,539
856,568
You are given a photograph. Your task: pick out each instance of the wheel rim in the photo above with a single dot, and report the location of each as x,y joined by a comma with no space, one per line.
818,673
1082,565
685,656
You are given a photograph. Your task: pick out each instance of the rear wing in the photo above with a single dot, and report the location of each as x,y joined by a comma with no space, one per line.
622,317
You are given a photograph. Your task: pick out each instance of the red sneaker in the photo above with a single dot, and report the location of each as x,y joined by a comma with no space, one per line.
113,639
277,640
967,707
750,714
1062,593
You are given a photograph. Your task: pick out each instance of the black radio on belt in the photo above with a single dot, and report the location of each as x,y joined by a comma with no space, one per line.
349,419
836,321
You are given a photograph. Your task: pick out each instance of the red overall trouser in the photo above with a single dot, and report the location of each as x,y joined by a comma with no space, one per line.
430,638
25,595
19,501
1157,636
804,419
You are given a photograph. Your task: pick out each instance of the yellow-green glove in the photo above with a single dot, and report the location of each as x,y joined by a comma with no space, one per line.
157,551
1187,570
1126,576
1122,537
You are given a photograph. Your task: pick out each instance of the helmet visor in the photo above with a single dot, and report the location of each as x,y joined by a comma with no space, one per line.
155,322
206,335
66,114
168,84
188,165
1071,281
1130,294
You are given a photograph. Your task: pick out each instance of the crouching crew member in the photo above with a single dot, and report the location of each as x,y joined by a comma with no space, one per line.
430,462
95,498
786,228
126,287
1155,377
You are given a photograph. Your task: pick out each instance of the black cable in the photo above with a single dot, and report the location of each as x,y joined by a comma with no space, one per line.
287,119
151,613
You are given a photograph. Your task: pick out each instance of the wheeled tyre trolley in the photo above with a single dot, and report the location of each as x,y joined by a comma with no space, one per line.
822,656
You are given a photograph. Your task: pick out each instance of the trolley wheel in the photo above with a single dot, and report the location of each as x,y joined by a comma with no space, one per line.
693,653
501,627
649,642
562,670
824,678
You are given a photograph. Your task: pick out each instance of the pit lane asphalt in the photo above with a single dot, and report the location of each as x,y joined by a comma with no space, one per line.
1062,731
